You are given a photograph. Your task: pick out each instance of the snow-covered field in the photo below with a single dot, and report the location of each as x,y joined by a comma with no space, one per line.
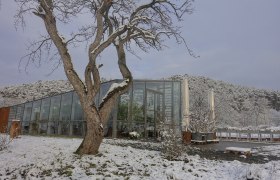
31,157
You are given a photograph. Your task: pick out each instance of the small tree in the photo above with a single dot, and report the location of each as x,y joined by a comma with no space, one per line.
124,24
259,110
200,112
171,145
5,139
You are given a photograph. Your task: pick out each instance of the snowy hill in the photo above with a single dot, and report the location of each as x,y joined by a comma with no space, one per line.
233,92
236,105
27,92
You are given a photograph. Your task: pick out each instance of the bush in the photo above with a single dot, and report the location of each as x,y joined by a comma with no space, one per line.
134,135
5,140
172,147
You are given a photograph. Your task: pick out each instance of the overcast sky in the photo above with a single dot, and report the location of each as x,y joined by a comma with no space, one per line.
237,41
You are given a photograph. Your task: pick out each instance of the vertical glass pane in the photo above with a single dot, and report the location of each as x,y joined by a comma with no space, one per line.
43,128
27,111
55,108
137,109
44,115
77,128
12,114
77,112
150,110
123,107
168,100
20,109
35,116
65,114
54,114
36,111
176,103
26,117
65,110
45,109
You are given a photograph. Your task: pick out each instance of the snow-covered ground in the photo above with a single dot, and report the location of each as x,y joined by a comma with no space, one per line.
31,157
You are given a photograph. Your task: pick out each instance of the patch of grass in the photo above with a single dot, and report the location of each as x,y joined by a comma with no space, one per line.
92,165
47,172
146,173
99,155
66,171
104,165
88,173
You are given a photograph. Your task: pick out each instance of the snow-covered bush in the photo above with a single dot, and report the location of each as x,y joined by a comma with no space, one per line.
134,135
172,147
5,140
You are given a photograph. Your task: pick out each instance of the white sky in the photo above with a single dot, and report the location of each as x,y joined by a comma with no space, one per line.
237,41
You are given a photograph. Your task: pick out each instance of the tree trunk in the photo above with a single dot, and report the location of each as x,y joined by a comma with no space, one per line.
94,133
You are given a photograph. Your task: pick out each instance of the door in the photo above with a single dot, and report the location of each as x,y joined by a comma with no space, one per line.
154,112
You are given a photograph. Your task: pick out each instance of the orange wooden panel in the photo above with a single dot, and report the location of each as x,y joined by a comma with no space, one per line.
15,129
4,116
186,137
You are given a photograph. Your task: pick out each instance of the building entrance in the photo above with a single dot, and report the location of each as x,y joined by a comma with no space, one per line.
153,112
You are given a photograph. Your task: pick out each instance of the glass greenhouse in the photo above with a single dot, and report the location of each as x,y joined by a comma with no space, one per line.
143,108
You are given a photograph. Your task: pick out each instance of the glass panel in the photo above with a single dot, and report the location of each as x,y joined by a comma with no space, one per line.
55,107
52,127
137,109
63,127
34,125
54,114
9,124
12,114
45,109
43,128
20,109
123,107
36,111
154,110
168,100
26,117
77,128
176,103
27,111
150,110
65,114
158,86
77,112
65,110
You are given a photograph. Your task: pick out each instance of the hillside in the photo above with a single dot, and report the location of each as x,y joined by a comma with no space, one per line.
27,92
235,105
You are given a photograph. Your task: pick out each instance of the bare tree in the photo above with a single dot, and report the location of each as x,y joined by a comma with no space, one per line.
124,24
259,110
200,114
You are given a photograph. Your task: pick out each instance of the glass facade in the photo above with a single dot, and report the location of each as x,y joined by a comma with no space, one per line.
143,108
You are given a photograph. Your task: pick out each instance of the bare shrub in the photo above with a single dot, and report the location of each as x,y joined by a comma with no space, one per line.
5,140
172,147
